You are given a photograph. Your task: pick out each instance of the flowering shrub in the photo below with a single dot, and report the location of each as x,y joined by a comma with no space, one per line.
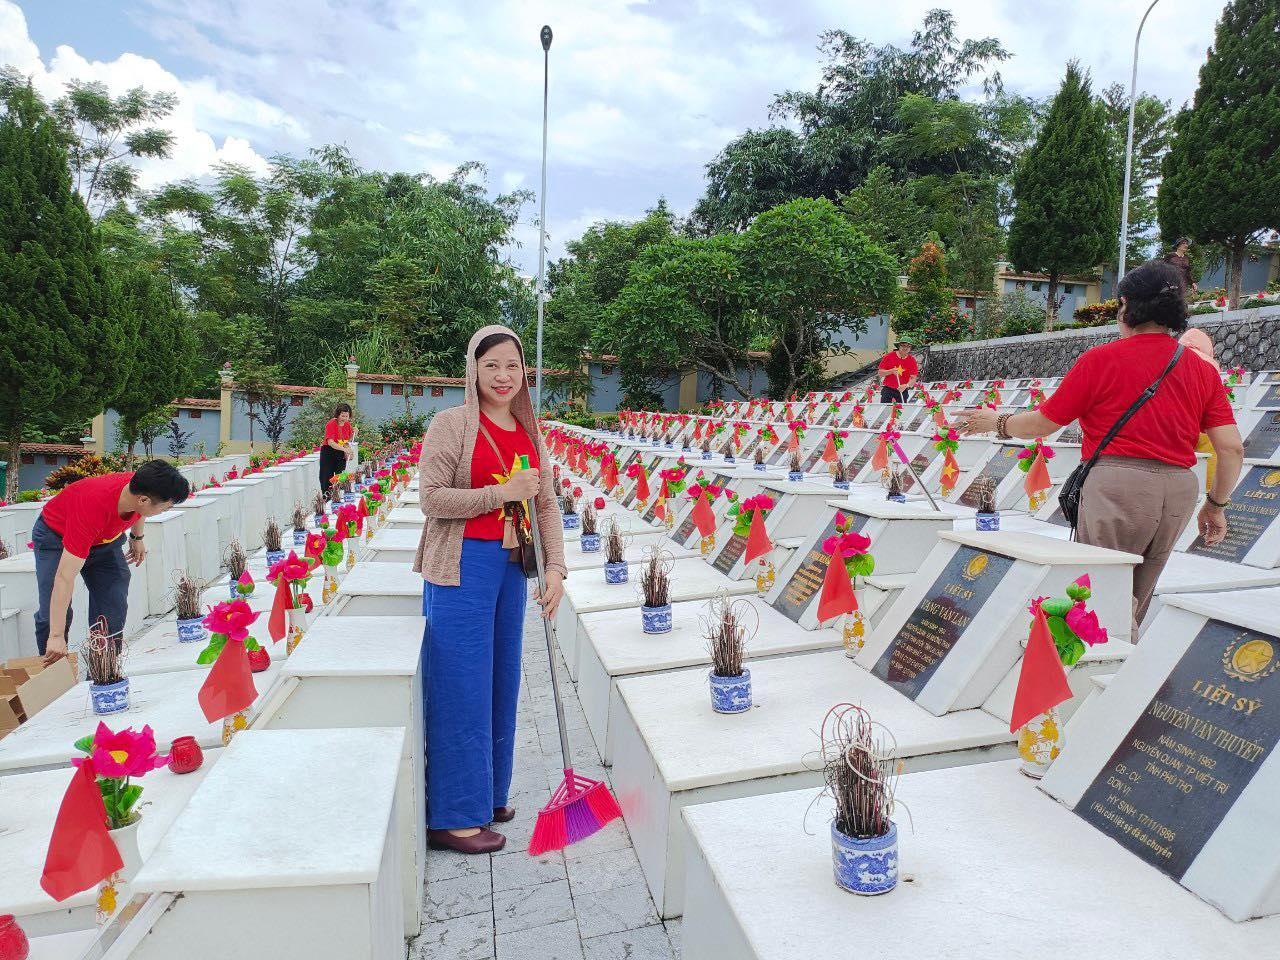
1096,314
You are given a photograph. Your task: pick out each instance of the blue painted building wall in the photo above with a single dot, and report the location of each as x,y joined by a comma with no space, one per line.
1072,295
874,337
202,423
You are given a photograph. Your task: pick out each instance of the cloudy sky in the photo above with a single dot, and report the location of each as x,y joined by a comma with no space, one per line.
643,94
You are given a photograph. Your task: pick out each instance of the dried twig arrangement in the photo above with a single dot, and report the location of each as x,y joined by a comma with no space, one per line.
236,562
318,504
840,473
759,458
895,484
103,655
187,594
568,503
272,535
655,578
795,462
615,547
986,496
860,770
4,551
725,628
706,444
299,517
588,519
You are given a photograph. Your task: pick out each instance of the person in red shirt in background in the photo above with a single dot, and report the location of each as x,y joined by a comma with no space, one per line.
1140,495
898,370
81,531
338,436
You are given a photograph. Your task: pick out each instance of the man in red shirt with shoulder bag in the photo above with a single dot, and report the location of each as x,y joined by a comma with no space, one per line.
81,532
898,371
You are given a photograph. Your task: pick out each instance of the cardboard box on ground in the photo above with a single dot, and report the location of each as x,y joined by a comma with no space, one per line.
27,686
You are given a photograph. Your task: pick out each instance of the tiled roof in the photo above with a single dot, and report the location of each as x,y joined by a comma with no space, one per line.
200,402
67,449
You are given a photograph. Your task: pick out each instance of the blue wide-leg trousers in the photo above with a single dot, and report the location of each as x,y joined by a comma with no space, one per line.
471,681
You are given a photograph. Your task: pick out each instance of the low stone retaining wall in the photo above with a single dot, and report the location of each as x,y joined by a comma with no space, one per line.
1242,338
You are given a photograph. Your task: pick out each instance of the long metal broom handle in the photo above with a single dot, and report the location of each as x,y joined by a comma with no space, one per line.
549,629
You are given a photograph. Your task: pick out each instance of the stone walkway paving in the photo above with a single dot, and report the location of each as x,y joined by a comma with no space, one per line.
589,902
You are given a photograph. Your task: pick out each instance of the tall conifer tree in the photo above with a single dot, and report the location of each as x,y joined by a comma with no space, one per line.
1222,174
61,359
1066,214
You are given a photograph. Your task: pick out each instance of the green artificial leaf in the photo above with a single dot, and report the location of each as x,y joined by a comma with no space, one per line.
210,653
1063,637
1077,591
85,744
864,565
1055,607
252,644
1073,652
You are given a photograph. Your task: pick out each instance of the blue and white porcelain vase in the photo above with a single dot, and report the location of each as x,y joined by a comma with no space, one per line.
729,458
706,454
868,866
840,484
274,557
571,521
349,497
986,521
590,543
191,630
656,619
616,572
795,476
232,591
110,697
760,466
299,538
731,694
897,498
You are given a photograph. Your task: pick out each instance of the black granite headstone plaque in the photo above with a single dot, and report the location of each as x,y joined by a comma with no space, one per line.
1255,506
862,457
994,470
1271,397
1193,750
806,582
730,554
940,619
1264,439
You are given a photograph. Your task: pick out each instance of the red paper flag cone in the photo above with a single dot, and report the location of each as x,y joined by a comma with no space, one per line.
1042,682
642,486
829,454
950,470
940,419
794,442
278,622
339,529
362,511
703,516
81,852
880,459
229,687
837,592
758,542
610,475
1038,476
697,430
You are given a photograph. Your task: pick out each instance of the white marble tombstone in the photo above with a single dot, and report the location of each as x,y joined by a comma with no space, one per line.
30,802
317,878
357,672
203,547
229,509
1175,759
166,557
379,590
957,628
797,507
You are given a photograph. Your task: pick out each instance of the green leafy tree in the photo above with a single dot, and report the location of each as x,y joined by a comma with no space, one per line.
685,306
1065,191
1222,173
162,369
1152,130
256,377
104,134
61,354
815,274
929,302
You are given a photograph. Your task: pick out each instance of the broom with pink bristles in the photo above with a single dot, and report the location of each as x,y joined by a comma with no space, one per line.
579,806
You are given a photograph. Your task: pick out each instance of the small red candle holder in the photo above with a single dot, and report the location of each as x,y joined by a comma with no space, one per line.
13,942
185,756
259,660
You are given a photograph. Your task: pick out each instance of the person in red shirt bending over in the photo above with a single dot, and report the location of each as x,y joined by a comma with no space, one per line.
1142,492
898,370
81,531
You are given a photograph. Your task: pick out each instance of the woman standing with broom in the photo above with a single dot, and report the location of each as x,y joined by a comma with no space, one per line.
475,591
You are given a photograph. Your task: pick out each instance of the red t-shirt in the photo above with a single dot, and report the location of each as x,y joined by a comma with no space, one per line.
900,369
484,465
1107,379
87,513
337,432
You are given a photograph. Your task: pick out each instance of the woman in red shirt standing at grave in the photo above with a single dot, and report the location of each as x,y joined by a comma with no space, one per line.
1140,495
338,434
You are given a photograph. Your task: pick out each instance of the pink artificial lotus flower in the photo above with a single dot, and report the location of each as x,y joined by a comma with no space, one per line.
244,585
128,753
761,501
1034,608
231,619
292,568
845,545
1084,624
